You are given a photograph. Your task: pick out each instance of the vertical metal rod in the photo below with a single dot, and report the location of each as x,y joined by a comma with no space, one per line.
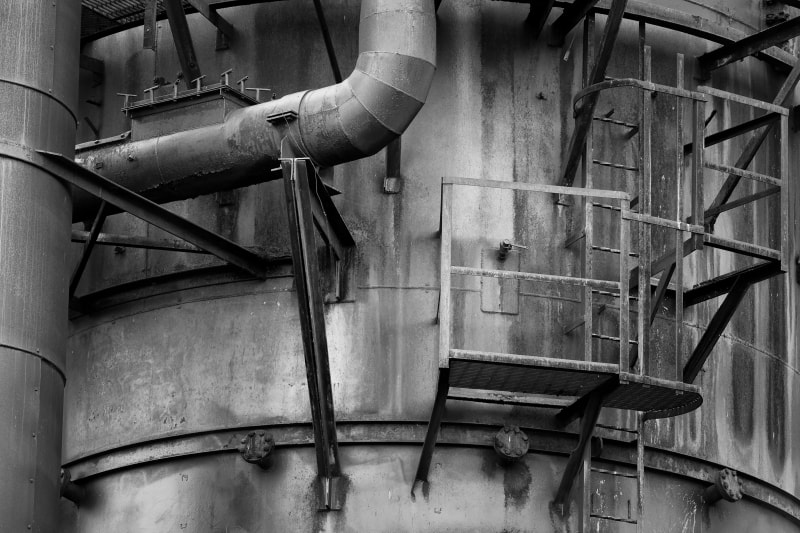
97,227
624,287
645,203
784,176
444,275
640,472
698,141
312,318
586,489
588,181
337,74
679,172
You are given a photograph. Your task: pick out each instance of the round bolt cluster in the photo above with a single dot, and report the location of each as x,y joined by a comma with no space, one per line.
257,448
511,443
729,485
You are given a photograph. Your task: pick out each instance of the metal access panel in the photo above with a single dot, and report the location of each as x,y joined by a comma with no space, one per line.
499,295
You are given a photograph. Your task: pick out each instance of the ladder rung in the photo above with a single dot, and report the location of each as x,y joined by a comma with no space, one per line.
614,473
617,122
606,206
612,294
575,237
612,250
614,518
613,339
614,165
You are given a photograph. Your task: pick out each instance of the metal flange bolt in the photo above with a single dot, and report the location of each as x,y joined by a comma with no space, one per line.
727,486
511,444
257,447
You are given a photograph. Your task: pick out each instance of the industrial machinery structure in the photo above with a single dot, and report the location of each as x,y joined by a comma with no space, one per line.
530,266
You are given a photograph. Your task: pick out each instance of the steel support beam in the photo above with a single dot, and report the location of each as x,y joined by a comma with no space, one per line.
183,40
312,323
225,30
735,131
569,18
715,328
140,207
593,406
442,389
149,36
724,284
131,241
750,45
585,115
576,409
326,35
538,15
88,246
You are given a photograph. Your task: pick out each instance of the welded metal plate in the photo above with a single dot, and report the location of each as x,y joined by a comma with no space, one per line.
499,295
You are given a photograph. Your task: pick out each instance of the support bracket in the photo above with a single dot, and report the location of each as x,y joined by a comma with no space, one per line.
300,202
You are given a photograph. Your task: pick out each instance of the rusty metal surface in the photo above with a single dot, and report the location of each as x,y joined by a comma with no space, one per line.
181,362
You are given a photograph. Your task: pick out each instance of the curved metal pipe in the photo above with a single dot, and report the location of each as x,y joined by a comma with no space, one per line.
335,124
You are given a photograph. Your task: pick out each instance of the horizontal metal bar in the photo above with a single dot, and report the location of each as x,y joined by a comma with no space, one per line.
714,211
750,45
755,176
530,276
618,428
551,189
614,165
140,207
673,224
612,339
613,250
741,247
618,83
739,99
613,518
616,473
534,361
508,398
617,122
734,131
128,241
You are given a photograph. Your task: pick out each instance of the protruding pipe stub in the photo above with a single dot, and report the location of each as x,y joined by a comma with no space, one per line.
511,444
257,448
727,486
71,490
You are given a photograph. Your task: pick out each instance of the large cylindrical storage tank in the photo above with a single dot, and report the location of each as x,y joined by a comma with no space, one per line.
173,358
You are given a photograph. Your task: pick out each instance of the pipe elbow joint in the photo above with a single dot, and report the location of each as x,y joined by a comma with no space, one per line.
376,103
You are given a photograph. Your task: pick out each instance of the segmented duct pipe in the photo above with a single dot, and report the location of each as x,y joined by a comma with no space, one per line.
335,124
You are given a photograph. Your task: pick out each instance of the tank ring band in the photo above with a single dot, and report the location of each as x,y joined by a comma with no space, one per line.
47,94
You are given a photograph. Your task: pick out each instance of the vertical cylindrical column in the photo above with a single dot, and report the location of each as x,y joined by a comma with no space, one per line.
38,92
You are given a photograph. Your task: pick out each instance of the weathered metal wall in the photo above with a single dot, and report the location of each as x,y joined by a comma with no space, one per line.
186,366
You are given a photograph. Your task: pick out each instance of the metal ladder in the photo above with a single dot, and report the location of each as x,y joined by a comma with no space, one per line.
588,512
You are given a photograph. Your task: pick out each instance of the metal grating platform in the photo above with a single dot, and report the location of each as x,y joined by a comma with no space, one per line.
101,17
564,377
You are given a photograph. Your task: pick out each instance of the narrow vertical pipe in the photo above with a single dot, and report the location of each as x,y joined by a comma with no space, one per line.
38,93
